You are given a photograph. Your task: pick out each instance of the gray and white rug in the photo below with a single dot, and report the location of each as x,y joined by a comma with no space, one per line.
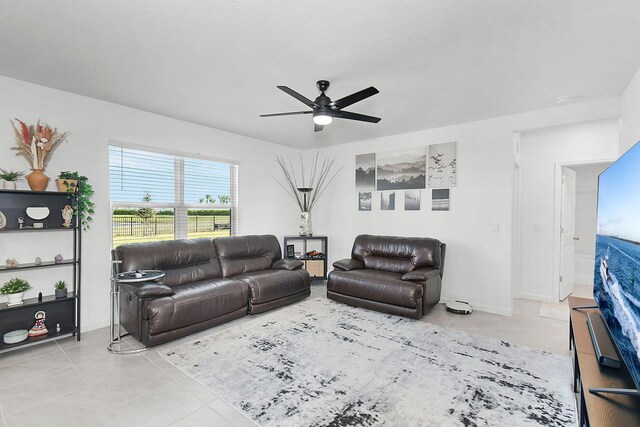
320,363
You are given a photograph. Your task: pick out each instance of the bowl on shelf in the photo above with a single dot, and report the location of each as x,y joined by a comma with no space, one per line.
14,337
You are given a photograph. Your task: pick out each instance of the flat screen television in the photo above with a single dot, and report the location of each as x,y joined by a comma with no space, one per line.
617,268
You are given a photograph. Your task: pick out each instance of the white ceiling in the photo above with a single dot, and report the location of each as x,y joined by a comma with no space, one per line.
217,63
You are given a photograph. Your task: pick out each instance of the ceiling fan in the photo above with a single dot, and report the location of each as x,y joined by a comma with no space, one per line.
324,109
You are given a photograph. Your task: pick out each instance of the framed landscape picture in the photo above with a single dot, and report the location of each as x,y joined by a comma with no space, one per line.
364,201
402,169
366,172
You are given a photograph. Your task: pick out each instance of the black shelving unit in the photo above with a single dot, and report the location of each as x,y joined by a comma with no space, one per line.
61,311
316,266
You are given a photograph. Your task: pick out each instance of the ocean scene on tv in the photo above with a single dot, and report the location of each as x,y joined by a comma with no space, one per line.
617,267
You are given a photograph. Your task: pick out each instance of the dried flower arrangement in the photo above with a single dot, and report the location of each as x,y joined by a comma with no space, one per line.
307,190
37,142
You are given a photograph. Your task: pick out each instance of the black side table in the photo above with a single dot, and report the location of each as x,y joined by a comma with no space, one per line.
315,265
116,279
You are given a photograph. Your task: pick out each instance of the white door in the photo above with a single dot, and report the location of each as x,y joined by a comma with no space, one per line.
567,231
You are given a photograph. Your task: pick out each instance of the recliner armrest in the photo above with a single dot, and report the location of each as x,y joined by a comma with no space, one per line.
287,264
421,274
348,264
147,289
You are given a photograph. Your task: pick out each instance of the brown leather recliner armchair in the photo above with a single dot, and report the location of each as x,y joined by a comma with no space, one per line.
207,282
397,275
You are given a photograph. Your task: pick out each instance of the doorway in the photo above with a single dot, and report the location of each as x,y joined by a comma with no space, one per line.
576,210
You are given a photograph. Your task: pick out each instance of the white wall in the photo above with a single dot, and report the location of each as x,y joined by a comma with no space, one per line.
540,153
630,116
586,210
263,205
478,260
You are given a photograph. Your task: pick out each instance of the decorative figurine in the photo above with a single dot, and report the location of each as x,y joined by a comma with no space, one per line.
38,261
58,259
39,296
11,262
39,328
20,222
67,214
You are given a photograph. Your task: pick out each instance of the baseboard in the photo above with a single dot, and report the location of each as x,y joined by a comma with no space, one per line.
536,297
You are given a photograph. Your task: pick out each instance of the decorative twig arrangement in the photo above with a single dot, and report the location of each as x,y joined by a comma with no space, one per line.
306,191
37,142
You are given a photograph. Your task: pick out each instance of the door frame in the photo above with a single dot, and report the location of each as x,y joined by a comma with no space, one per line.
557,222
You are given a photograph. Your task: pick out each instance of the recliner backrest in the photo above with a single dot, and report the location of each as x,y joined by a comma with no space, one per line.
183,261
397,254
243,254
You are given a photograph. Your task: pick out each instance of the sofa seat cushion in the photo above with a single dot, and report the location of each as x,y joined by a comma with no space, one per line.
269,285
194,303
376,285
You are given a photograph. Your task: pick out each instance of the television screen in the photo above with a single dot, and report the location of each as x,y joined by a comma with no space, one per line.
617,268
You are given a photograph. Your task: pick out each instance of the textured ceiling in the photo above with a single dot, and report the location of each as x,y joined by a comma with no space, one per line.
217,63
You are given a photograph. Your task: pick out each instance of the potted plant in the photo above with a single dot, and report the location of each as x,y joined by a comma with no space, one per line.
61,289
10,178
83,208
14,289
36,143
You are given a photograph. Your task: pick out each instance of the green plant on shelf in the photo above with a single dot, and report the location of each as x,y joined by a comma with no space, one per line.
10,176
83,208
60,285
15,286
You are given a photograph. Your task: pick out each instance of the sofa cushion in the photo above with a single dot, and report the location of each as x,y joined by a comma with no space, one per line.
183,261
376,285
243,254
269,285
195,302
396,254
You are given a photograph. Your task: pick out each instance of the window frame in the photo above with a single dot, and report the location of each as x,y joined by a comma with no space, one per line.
180,208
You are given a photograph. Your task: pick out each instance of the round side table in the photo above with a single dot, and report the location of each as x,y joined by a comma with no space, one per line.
127,277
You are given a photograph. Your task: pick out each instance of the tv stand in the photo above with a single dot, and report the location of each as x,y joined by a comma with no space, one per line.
594,407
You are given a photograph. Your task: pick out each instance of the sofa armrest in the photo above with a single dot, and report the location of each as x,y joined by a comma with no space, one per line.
348,264
287,264
146,289
421,274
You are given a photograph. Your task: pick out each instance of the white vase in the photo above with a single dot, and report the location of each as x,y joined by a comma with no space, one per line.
15,299
9,185
305,224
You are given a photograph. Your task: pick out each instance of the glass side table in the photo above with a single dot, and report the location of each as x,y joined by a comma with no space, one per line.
115,345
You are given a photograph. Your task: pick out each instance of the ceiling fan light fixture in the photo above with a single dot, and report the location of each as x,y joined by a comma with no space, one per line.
322,118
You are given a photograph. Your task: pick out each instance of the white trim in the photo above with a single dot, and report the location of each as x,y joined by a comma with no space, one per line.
537,297
557,204
153,149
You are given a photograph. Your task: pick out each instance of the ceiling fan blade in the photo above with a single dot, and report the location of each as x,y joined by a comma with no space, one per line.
297,96
318,128
286,114
354,116
355,97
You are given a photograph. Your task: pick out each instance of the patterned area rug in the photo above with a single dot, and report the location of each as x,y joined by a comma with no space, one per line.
320,363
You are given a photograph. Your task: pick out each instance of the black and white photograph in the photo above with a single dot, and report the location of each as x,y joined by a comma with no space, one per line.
291,251
388,200
440,199
366,171
364,201
442,165
412,200
401,170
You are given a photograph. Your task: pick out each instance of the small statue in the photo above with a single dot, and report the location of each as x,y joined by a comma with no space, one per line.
20,222
38,261
11,262
67,215
58,259
39,328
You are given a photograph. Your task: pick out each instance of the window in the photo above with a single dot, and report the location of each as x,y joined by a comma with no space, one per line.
161,196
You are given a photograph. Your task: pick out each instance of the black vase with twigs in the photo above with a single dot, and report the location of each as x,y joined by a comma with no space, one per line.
306,190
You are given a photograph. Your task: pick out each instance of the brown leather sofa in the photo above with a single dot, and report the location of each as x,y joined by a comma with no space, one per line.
207,282
397,275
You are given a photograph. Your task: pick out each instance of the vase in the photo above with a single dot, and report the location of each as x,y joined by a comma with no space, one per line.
305,224
9,185
66,185
37,180
15,299
61,293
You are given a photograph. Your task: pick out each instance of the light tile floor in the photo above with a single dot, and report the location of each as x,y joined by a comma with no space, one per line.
71,383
